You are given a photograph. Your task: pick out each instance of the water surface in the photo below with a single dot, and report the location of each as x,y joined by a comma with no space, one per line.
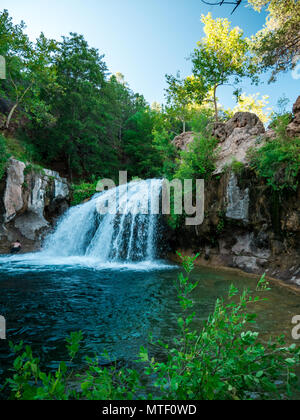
115,305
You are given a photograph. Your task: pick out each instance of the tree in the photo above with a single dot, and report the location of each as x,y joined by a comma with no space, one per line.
121,104
252,103
29,68
178,99
220,55
140,155
277,45
77,138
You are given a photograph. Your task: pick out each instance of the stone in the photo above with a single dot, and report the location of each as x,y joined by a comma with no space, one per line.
219,131
182,141
31,202
61,189
292,222
243,131
246,246
13,196
247,121
237,201
30,225
249,264
293,129
238,135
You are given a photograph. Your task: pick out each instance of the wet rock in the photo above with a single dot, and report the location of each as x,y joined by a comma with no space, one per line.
237,201
292,222
258,233
31,226
33,198
247,225
248,264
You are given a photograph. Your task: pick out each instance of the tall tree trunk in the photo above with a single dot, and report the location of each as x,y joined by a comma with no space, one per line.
10,115
183,123
216,104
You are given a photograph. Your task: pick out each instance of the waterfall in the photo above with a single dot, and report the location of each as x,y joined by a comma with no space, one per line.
125,232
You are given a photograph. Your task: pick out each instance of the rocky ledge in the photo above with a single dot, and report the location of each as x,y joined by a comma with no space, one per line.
247,224
31,199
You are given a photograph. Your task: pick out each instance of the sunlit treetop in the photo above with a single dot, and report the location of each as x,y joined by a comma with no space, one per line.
228,45
253,103
221,57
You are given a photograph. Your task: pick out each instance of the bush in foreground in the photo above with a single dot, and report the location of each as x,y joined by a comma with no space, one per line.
223,361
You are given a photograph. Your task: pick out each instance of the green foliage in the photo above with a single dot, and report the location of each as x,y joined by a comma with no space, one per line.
278,161
162,143
82,192
236,166
3,156
74,115
179,99
21,150
32,167
29,69
142,159
276,46
199,161
225,360
220,56
220,226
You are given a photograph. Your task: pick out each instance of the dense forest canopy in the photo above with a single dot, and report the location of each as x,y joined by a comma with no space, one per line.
68,112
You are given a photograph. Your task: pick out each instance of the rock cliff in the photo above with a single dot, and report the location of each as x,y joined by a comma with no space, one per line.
247,224
30,201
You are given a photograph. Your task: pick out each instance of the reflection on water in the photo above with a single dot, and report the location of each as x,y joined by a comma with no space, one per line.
116,306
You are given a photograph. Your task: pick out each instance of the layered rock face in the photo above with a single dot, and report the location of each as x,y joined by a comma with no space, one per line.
293,129
237,136
30,201
183,140
247,224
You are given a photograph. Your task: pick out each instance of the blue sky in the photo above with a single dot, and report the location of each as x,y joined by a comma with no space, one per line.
144,39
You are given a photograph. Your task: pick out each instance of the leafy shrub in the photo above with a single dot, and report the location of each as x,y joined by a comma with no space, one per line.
198,162
278,162
21,149
224,360
82,192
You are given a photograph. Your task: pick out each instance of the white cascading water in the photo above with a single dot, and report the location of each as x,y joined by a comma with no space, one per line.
126,233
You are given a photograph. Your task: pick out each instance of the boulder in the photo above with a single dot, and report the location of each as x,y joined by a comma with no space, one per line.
237,136
293,129
249,122
243,131
13,196
32,199
182,141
